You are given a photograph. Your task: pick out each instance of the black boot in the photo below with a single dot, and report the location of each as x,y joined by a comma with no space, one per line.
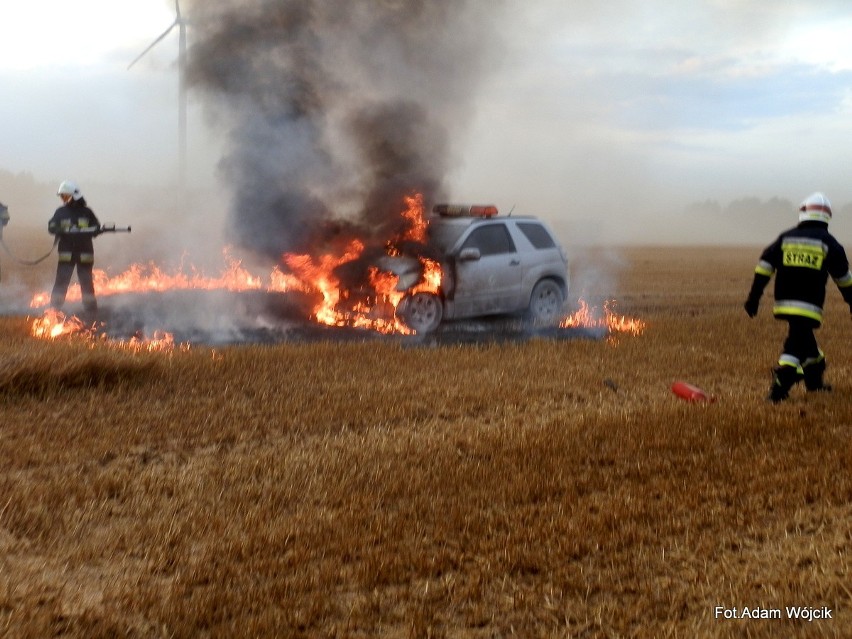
784,378
813,377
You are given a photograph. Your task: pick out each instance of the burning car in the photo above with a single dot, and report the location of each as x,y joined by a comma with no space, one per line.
460,262
490,265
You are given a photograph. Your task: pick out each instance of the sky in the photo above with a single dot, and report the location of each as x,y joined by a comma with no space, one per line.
628,120
71,107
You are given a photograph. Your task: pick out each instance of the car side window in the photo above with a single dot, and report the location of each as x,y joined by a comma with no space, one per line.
491,239
537,235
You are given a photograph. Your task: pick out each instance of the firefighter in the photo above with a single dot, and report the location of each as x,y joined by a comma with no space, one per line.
801,258
75,225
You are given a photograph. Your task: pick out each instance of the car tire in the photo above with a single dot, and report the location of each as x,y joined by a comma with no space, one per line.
421,312
546,303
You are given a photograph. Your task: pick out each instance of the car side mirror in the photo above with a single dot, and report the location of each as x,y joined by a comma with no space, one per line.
470,254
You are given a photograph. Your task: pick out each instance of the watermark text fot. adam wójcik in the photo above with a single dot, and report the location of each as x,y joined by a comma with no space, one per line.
802,613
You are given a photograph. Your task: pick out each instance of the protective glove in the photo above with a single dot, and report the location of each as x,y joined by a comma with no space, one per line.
751,306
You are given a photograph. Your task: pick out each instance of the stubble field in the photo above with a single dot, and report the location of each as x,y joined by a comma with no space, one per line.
535,489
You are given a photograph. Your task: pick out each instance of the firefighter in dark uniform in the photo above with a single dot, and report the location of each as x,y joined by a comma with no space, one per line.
801,259
75,225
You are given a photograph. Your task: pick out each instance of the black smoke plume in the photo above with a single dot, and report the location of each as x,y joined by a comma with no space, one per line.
336,109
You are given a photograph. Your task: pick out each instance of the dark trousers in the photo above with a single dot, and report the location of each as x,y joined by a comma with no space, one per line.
64,271
802,357
801,342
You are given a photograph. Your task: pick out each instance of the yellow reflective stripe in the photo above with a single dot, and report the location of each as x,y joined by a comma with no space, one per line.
814,360
65,257
799,309
87,258
790,360
804,241
764,268
844,281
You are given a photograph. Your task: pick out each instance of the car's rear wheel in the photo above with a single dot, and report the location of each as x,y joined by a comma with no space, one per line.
546,303
421,312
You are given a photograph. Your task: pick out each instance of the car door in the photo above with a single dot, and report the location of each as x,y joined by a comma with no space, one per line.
488,272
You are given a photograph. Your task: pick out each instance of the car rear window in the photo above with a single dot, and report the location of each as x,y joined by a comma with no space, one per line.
537,235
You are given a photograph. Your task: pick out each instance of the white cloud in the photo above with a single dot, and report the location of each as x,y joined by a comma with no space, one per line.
626,110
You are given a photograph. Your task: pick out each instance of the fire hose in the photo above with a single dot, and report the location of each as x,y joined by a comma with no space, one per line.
94,231
27,262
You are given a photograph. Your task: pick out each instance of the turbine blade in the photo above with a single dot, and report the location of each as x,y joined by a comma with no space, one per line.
153,44
177,9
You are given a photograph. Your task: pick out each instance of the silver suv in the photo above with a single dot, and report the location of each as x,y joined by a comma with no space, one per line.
491,265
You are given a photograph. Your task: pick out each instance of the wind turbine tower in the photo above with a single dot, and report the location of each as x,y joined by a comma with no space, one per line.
180,22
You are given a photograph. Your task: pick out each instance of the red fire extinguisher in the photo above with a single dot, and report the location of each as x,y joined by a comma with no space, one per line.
690,393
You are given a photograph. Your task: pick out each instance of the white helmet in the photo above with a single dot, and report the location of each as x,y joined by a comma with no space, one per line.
69,188
815,208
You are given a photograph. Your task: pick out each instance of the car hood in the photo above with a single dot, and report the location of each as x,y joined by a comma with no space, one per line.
407,269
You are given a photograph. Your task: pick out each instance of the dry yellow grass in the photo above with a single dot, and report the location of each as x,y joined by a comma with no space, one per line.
360,490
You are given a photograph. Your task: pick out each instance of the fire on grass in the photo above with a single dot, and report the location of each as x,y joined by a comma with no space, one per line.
370,305
588,316
56,325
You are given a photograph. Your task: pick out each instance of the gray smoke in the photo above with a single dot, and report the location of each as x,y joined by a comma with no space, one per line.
337,109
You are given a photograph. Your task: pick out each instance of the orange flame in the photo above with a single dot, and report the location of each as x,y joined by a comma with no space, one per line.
376,309
55,325
159,341
416,232
148,278
318,274
591,317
